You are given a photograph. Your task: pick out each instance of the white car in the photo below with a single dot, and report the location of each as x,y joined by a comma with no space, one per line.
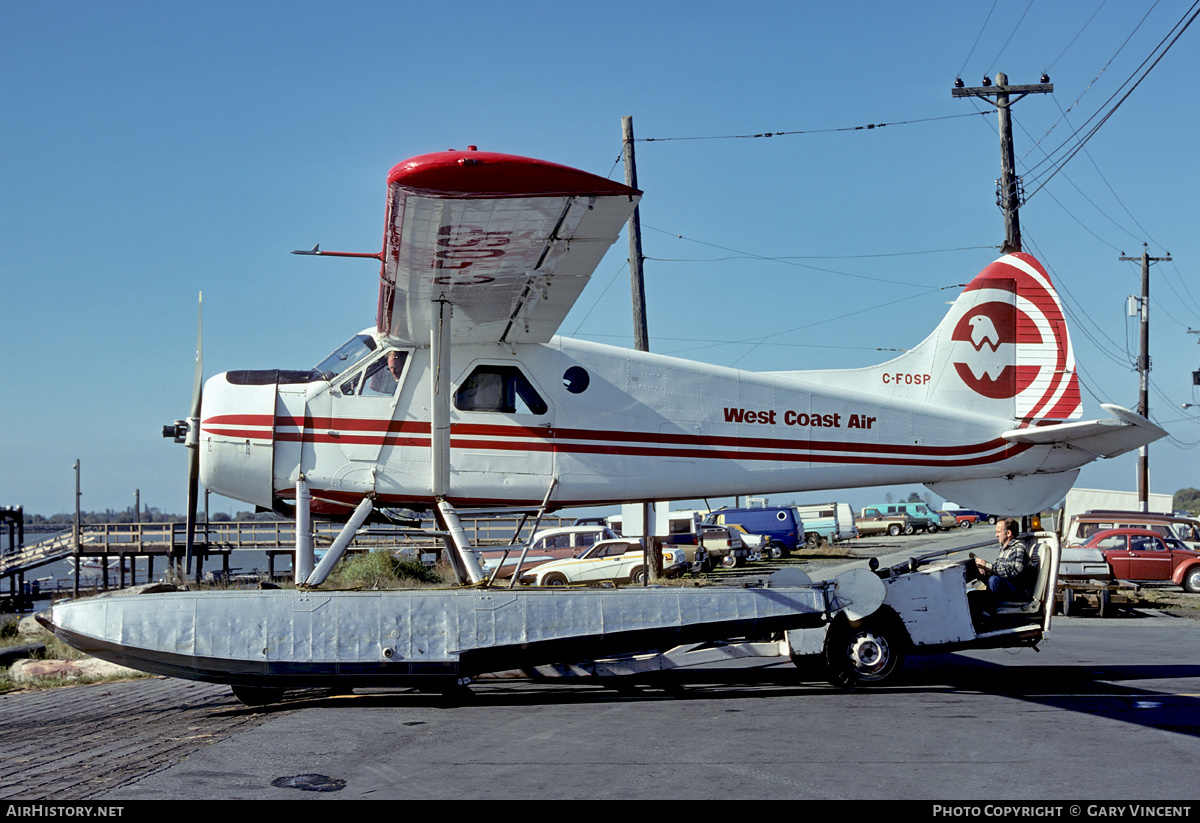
616,560
547,545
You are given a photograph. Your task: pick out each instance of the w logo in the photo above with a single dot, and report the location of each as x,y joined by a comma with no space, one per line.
989,366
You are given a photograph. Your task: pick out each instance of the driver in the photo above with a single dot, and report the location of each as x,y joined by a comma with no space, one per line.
1012,576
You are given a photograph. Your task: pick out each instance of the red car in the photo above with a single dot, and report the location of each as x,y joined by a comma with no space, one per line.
1145,556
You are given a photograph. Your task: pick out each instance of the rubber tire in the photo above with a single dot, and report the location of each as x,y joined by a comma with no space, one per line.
1191,581
966,524
1106,607
554,579
909,529
934,528
894,530
879,643
257,695
729,561
1068,604
775,551
638,576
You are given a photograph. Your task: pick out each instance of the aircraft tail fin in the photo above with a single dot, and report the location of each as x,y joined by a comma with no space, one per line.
1003,350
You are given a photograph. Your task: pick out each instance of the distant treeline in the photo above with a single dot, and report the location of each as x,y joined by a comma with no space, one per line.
1188,500
151,515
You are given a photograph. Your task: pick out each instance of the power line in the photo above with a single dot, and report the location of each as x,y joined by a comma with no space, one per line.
787,261
867,127
1183,26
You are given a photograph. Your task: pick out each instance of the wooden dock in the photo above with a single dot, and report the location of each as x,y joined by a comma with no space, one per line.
116,547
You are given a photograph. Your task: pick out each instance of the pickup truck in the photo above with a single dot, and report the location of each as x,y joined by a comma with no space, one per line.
874,522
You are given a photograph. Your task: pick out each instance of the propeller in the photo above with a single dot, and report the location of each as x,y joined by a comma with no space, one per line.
193,439
188,432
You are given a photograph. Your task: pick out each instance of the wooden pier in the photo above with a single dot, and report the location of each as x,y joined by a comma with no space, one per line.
115,548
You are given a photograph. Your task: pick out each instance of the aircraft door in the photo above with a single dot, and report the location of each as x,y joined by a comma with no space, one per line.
502,433
363,405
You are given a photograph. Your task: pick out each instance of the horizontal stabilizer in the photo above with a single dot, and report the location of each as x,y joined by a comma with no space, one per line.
1122,433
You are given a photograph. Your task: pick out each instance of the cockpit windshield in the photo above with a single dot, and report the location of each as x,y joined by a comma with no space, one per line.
346,355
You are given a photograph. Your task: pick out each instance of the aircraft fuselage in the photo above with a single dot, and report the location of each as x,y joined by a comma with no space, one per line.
610,424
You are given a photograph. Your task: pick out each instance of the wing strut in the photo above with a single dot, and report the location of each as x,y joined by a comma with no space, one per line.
439,355
335,552
467,562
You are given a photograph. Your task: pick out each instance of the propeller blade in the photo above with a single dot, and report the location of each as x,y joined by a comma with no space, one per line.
193,495
193,441
198,377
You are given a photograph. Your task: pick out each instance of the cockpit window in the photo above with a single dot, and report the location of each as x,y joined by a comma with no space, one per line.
499,389
380,378
349,353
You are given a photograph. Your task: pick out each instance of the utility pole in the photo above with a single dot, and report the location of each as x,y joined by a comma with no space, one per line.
1008,192
1143,478
77,535
641,335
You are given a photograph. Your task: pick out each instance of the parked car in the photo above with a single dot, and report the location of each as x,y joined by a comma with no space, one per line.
874,522
825,521
1083,526
703,551
547,545
970,514
923,518
783,527
947,520
1141,555
619,561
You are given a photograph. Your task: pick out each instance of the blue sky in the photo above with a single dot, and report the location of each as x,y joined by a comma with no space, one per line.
155,150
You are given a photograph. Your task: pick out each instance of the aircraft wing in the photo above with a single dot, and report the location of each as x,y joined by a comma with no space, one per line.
1122,433
509,241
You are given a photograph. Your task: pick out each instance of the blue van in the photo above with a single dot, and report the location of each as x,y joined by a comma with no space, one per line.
781,524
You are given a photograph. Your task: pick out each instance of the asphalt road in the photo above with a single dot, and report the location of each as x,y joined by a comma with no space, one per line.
1108,710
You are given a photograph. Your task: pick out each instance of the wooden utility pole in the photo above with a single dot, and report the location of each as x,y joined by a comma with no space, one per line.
77,534
1143,479
1008,195
641,334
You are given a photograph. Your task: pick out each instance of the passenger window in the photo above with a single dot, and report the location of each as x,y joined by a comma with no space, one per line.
499,389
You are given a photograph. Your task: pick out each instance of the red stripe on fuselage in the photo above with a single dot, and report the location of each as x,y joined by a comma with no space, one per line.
368,431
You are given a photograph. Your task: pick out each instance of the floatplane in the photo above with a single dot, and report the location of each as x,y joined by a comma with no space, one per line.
462,395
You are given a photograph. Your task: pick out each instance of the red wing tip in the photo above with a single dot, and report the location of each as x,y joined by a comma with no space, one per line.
493,174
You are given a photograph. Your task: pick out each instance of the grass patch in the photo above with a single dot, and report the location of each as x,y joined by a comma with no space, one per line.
821,551
384,570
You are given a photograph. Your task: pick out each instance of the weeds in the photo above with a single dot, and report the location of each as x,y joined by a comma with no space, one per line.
383,570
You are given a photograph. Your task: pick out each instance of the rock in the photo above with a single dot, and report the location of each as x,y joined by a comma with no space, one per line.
29,627
30,671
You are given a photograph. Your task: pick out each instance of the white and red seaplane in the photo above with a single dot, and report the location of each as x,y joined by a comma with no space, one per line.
462,394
